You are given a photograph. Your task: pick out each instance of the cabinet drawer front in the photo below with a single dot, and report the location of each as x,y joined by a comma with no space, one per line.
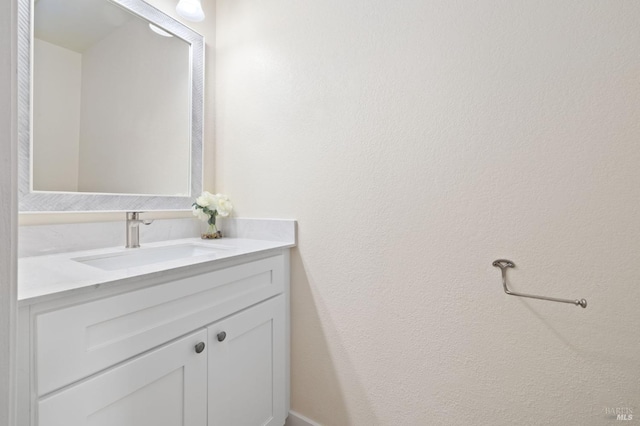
74,342
164,387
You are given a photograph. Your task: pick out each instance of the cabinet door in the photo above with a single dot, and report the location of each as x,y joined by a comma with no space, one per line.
247,380
165,387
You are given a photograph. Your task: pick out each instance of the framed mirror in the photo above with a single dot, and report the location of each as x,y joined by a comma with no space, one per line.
110,107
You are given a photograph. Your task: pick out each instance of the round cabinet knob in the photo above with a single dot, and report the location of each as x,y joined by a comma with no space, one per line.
199,347
221,336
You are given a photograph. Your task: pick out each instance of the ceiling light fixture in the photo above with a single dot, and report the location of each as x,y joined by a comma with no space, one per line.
190,10
159,31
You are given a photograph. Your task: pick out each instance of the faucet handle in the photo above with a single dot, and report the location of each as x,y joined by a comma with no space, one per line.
136,216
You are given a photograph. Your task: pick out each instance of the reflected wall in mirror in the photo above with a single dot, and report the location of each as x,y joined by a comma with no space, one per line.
116,112
102,79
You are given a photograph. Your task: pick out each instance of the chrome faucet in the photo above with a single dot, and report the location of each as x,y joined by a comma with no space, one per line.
133,229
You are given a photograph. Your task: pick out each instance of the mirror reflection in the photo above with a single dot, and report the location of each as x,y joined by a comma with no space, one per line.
111,102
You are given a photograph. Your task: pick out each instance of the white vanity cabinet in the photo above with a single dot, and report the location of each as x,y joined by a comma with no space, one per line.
201,346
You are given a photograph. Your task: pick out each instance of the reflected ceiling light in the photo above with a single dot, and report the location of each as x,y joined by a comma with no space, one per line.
160,31
190,10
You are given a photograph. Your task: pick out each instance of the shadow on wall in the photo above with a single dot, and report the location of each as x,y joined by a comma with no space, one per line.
316,342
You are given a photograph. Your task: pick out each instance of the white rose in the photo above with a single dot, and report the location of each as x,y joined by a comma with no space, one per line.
223,205
207,199
200,214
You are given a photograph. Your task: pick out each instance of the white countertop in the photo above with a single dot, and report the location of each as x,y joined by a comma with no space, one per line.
43,277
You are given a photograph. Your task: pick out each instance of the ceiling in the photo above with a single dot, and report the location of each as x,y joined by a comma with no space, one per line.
77,24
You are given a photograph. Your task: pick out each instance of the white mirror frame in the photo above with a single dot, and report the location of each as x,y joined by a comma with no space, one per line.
35,201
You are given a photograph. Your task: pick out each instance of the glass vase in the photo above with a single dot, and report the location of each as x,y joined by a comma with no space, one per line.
211,233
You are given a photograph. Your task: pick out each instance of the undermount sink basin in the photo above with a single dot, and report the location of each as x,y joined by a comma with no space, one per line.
133,258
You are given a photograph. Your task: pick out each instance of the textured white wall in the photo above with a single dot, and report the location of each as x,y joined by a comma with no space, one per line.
57,75
416,142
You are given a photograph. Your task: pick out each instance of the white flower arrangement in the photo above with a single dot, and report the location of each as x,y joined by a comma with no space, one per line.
208,206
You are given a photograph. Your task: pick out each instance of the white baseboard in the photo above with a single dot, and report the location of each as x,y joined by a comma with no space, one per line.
296,419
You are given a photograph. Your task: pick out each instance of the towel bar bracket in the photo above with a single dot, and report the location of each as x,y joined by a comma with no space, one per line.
505,264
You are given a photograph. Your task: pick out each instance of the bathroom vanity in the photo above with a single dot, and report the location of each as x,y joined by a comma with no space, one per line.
198,339
180,331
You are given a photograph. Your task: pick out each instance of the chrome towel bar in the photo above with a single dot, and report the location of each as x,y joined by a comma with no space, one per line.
503,264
